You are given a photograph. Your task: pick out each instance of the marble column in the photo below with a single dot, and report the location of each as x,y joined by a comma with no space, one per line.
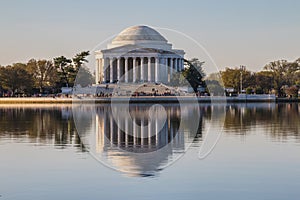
97,71
100,70
104,69
164,69
171,67
176,64
142,69
149,69
156,69
126,70
118,69
111,69
133,70
167,69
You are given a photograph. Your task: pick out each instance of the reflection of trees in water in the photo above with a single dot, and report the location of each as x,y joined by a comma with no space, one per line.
279,120
54,125
40,125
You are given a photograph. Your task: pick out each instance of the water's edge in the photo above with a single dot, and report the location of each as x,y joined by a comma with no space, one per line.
158,99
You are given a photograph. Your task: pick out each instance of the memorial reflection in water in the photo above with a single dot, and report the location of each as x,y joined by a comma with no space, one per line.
138,139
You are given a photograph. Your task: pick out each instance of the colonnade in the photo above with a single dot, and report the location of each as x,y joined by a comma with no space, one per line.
137,69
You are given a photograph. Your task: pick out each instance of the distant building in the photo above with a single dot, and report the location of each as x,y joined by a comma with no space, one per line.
138,54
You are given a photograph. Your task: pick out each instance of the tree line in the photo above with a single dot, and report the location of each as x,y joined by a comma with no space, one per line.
44,76
277,77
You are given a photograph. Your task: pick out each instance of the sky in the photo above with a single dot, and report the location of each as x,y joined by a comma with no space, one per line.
233,33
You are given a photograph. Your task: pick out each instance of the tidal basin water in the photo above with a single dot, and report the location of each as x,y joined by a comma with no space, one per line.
84,151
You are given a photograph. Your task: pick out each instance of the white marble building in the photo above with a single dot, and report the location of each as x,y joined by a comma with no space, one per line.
138,54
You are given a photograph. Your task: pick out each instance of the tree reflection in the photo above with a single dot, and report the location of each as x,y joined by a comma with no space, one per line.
279,120
40,125
51,124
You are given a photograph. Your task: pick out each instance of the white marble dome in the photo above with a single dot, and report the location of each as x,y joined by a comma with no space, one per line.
142,36
135,33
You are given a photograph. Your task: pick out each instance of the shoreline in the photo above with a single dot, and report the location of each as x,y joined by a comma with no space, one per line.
150,99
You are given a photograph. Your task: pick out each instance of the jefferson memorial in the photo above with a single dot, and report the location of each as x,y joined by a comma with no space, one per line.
138,54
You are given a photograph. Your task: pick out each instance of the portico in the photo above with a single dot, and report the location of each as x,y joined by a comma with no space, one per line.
138,54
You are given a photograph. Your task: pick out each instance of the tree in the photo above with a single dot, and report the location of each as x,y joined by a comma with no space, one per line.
194,73
81,74
43,72
2,77
80,58
214,77
64,68
264,81
16,79
84,77
249,90
67,70
292,91
215,88
283,73
232,78
259,90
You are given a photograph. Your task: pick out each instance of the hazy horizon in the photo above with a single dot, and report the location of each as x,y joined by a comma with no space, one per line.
233,32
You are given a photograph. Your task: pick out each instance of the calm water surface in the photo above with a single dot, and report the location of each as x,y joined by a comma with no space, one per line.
65,152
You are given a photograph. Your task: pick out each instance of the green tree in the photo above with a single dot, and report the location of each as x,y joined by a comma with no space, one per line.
2,73
259,90
232,78
84,77
284,73
214,77
215,88
16,79
194,73
81,73
64,68
68,71
249,90
264,81
43,72
80,58
279,70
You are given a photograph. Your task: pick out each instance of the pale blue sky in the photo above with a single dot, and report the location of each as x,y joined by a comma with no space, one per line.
251,33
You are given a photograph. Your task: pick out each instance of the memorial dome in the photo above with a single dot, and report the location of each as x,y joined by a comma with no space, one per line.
138,33
142,36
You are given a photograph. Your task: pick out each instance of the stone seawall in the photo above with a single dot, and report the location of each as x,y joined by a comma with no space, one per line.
158,99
